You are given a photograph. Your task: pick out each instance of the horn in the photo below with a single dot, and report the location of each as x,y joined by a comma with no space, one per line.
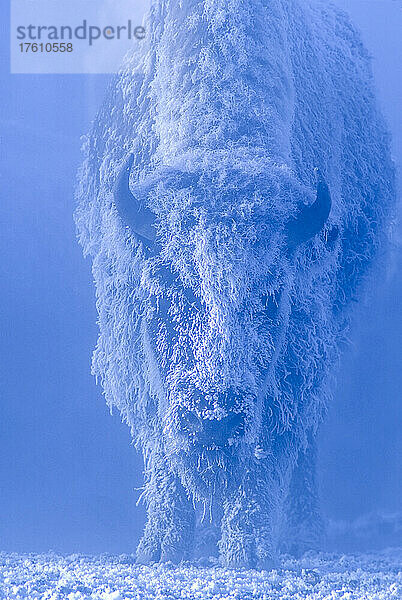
311,219
138,218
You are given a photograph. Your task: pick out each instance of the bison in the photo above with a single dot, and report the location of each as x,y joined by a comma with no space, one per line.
237,188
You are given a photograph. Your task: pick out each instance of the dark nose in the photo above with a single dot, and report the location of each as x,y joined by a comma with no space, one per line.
215,431
220,431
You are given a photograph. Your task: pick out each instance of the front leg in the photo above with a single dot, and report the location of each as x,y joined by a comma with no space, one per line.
169,529
237,545
304,528
250,521
207,531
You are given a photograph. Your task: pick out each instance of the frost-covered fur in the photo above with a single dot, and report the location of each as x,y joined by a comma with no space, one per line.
217,344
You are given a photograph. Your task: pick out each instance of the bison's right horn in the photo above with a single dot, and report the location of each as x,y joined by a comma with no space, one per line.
138,218
311,219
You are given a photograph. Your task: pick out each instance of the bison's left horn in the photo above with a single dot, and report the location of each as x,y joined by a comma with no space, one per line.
310,219
138,218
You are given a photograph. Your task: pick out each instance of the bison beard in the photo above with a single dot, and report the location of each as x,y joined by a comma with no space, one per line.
233,197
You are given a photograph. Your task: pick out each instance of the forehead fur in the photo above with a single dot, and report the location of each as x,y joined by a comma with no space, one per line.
222,218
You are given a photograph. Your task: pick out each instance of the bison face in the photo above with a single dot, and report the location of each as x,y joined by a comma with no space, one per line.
217,280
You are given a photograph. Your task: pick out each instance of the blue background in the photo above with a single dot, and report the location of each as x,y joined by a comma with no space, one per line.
68,472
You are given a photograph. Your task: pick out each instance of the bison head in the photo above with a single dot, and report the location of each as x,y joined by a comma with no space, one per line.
219,261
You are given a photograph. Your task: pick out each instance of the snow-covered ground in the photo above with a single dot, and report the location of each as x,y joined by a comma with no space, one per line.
314,577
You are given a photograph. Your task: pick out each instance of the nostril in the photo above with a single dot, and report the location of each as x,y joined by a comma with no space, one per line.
216,428
224,429
233,420
190,423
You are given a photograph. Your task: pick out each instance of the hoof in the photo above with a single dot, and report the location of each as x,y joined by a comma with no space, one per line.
237,562
268,563
147,554
297,550
170,555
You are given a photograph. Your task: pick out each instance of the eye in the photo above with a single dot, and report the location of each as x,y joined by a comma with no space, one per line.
164,274
191,298
270,303
331,235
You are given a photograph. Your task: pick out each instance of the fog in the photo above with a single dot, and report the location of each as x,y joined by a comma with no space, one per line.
69,475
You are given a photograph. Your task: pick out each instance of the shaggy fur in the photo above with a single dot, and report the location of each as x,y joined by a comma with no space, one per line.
217,343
